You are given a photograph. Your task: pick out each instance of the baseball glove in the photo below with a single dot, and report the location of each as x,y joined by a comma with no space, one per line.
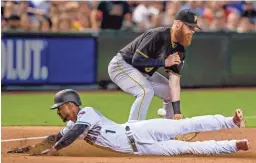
38,148
184,137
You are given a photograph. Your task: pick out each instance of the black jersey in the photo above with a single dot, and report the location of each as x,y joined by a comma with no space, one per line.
148,51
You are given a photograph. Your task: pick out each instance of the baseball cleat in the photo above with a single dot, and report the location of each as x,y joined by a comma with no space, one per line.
239,118
242,145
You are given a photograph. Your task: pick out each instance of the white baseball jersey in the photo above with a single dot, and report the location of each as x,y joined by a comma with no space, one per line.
153,137
102,131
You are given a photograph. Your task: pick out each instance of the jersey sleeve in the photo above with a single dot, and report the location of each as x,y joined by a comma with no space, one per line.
146,53
150,44
68,127
88,117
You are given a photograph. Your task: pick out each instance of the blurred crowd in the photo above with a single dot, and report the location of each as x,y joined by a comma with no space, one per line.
42,15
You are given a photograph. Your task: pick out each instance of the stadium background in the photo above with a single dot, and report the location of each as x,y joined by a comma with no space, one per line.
48,44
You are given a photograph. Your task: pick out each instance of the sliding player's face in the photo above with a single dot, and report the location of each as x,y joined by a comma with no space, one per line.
68,112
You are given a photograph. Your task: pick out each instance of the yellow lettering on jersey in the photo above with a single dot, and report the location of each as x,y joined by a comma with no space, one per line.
148,69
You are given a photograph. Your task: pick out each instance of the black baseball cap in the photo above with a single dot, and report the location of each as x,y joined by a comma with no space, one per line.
64,96
188,17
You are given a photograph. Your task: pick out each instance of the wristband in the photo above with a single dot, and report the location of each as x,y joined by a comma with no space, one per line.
176,107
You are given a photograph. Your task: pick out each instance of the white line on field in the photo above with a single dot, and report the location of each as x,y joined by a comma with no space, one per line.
22,139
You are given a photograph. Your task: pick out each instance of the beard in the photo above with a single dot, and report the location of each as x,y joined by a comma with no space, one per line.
184,39
187,39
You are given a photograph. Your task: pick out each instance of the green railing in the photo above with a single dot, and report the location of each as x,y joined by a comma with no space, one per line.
213,59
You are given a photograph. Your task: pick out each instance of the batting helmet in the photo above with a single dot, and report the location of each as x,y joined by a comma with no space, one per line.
64,96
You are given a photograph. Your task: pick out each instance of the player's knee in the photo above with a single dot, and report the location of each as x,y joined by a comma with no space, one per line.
165,94
149,93
167,99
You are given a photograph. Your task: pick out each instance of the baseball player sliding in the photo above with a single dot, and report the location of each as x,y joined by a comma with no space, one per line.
134,68
146,137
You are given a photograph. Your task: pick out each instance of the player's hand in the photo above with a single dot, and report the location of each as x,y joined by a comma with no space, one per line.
48,152
178,116
173,59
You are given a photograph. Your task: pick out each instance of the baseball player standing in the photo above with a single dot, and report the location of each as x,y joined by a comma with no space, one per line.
134,68
146,137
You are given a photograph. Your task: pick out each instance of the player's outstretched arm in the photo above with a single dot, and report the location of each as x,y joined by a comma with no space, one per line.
67,139
37,148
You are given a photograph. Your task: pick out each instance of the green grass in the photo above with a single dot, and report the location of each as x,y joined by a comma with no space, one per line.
33,109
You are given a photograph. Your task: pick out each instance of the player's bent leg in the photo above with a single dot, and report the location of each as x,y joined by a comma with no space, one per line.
133,82
206,123
161,88
213,122
140,106
164,129
174,147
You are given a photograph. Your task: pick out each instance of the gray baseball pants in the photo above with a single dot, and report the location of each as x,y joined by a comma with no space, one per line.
140,85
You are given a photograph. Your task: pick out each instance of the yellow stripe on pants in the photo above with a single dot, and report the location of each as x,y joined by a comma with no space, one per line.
144,92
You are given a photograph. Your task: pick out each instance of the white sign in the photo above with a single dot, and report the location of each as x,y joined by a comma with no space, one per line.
24,61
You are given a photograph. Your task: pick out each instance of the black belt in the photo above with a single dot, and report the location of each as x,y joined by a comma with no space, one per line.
131,139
